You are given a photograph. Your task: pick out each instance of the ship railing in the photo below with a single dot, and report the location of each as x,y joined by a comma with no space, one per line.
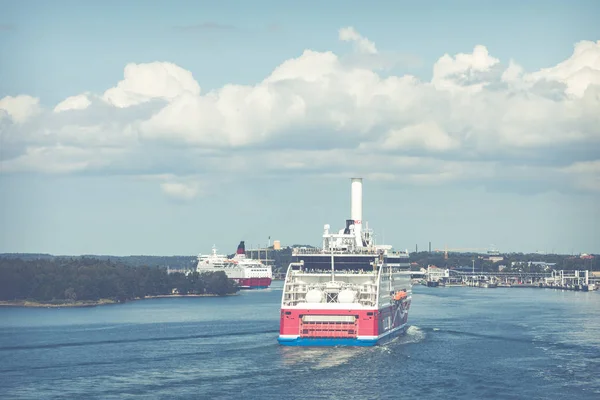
362,302
358,250
295,292
300,251
336,271
296,266
362,271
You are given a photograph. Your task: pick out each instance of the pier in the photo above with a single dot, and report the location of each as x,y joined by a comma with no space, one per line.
564,280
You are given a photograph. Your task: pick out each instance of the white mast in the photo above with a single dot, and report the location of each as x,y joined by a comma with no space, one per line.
332,269
356,209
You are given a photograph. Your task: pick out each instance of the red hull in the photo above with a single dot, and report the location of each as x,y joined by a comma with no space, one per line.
366,323
253,283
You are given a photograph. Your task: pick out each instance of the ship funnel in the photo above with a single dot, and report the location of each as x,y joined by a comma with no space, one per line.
356,208
241,248
356,200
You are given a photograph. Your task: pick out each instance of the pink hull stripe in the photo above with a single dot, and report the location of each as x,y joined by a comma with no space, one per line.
253,282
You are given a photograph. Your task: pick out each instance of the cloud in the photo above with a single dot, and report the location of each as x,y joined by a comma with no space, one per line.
578,72
428,135
469,72
145,82
183,191
478,121
362,44
19,108
79,102
60,159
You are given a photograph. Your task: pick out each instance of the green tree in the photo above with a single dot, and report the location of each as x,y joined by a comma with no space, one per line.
70,294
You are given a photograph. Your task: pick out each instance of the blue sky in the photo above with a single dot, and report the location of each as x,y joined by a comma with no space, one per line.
214,136
61,48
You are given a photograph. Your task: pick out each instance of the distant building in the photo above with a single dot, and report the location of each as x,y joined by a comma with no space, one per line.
545,265
435,274
185,271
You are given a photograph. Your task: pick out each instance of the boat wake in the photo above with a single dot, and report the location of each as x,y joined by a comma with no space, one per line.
319,357
413,334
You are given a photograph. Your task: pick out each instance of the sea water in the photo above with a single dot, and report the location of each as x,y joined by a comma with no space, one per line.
463,343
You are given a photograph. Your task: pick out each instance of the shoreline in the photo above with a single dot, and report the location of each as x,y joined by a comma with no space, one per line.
101,302
36,304
161,296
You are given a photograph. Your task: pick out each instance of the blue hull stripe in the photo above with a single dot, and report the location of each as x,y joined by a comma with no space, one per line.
326,342
320,342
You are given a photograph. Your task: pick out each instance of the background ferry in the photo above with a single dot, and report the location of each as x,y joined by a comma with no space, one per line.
246,272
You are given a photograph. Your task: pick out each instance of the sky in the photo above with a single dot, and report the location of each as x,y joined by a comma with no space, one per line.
167,127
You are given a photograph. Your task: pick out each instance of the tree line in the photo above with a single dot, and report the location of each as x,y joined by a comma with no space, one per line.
173,262
91,279
561,261
281,259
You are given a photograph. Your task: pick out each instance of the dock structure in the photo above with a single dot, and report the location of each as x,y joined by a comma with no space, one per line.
566,280
570,280
278,276
261,254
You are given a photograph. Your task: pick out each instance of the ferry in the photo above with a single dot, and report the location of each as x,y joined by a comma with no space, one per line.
246,272
349,292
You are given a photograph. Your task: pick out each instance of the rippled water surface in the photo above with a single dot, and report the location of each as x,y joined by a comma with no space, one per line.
464,343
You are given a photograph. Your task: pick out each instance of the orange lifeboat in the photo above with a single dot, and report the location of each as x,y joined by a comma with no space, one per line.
400,296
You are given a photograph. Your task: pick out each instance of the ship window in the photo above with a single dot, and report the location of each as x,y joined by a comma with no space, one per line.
288,312
370,313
